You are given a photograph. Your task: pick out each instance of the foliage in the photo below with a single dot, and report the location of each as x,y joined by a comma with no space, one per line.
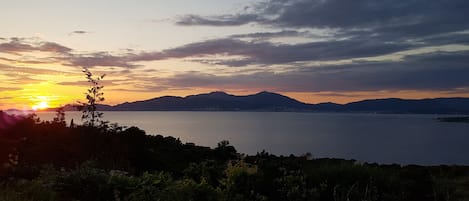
94,95
207,171
59,116
26,190
225,151
51,161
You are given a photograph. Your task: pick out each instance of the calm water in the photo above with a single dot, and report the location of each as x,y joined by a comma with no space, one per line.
382,138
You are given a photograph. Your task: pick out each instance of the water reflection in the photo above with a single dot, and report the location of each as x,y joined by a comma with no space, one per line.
406,139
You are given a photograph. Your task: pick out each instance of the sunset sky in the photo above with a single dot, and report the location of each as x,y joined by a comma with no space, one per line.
311,50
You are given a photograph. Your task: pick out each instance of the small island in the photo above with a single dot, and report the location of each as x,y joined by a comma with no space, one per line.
462,119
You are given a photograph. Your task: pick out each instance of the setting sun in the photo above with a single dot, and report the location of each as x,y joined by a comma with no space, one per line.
41,103
41,106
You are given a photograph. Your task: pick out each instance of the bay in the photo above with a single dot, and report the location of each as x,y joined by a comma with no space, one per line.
381,138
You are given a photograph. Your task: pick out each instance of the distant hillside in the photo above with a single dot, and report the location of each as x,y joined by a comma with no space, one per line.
268,101
217,101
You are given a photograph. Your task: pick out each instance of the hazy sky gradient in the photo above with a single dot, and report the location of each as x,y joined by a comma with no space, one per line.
312,50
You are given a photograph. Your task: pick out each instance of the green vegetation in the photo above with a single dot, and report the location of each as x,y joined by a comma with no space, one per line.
52,161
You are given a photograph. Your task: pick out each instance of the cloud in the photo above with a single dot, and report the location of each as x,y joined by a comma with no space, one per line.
329,94
270,53
11,70
362,28
277,34
210,47
86,83
143,89
350,14
385,19
19,45
53,47
2,89
352,31
434,71
131,83
29,61
461,38
99,59
78,32
14,46
62,54
353,42
221,20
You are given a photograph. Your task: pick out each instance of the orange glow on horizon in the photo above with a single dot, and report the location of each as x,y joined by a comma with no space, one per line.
49,94
40,96
353,96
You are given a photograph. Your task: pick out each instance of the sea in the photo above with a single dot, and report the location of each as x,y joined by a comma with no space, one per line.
374,138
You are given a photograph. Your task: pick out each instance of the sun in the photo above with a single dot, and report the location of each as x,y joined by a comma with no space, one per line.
41,105
42,102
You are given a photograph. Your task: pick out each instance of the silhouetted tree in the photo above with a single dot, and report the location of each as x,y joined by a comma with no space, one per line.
59,116
94,95
225,151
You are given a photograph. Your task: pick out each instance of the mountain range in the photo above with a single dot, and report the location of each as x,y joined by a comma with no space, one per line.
268,101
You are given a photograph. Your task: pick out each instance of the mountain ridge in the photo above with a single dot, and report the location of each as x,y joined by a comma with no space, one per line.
215,101
269,101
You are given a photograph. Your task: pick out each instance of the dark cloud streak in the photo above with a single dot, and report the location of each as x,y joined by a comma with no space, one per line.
269,53
432,72
19,45
222,20
359,14
78,32
99,59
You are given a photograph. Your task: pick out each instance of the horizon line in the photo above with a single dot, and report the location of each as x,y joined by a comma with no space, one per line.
264,91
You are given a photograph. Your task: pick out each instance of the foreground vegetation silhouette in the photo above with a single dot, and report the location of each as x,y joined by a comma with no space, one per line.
94,95
98,161
52,161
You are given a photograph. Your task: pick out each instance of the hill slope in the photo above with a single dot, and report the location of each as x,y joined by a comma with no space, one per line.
268,101
216,101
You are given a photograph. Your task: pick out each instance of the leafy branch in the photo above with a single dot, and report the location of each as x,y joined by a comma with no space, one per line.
94,96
